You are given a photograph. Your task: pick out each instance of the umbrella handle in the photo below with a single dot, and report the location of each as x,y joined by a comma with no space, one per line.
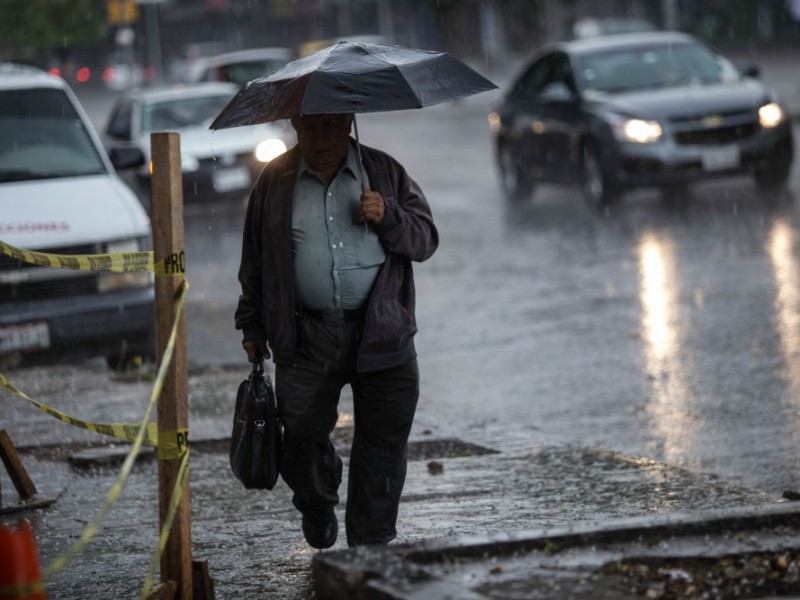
364,185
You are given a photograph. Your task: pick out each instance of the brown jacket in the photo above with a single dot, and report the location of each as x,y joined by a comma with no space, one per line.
266,307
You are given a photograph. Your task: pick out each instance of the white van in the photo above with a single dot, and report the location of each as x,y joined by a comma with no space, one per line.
59,193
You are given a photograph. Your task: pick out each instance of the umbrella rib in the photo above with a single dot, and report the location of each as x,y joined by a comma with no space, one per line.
411,90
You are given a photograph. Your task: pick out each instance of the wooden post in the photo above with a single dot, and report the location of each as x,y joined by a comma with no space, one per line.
19,476
167,217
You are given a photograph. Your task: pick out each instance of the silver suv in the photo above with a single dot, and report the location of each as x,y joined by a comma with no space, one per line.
60,194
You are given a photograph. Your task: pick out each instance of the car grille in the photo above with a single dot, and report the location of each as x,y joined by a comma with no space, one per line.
17,282
718,135
716,129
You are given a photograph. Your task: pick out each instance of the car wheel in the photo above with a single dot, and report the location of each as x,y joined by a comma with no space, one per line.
516,184
772,180
598,190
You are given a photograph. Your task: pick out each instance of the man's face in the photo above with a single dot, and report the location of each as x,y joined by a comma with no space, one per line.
323,139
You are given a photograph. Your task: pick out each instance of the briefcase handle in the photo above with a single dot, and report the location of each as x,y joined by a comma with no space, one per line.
258,364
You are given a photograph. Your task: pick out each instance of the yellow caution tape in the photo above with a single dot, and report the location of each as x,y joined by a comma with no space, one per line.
170,444
118,262
183,473
116,490
113,495
123,431
173,444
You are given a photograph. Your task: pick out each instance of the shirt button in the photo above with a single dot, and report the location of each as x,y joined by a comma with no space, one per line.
330,218
333,245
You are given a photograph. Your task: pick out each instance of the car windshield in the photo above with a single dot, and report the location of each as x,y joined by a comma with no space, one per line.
182,113
654,67
241,73
43,137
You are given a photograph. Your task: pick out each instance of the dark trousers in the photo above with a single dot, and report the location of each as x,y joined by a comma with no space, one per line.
384,404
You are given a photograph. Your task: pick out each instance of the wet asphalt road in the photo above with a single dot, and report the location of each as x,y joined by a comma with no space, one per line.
661,331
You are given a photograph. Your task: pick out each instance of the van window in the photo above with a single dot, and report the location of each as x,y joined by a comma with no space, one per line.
36,103
42,137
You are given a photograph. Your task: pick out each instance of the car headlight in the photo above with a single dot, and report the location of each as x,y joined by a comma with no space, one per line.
770,115
638,131
110,282
269,149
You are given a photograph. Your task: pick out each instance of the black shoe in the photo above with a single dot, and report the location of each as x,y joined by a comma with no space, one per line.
321,530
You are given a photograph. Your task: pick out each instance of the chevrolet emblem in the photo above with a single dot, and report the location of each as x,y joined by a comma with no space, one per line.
712,121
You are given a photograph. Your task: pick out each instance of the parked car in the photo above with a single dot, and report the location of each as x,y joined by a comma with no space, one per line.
184,67
637,110
216,165
60,194
241,66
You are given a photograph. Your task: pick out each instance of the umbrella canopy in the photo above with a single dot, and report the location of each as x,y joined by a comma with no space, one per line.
353,78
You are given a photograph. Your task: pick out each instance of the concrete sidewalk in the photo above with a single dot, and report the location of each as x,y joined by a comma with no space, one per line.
750,553
471,518
472,525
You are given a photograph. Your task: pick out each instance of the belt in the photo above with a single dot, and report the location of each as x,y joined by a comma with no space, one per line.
333,317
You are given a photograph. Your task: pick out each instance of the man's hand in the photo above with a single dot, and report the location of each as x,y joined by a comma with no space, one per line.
255,346
372,207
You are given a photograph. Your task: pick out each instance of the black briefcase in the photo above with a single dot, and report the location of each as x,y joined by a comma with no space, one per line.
257,435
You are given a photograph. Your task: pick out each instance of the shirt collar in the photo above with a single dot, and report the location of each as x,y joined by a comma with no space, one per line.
350,165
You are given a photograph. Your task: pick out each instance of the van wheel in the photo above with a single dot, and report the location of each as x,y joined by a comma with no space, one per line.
598,190
130,354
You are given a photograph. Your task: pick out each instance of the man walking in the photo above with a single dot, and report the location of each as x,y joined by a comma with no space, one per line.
328,287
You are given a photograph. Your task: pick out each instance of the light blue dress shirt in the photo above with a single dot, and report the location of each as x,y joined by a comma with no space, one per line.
336,258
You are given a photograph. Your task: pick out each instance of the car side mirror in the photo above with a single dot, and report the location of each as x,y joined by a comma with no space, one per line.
556,93
126,158
750,70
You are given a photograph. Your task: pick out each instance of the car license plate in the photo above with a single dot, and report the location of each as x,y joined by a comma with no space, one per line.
235,178
28,336
720,159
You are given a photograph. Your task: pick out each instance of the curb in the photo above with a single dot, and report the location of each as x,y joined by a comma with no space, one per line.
398,571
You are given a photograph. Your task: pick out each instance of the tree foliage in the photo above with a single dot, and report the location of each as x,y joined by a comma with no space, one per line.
30,25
